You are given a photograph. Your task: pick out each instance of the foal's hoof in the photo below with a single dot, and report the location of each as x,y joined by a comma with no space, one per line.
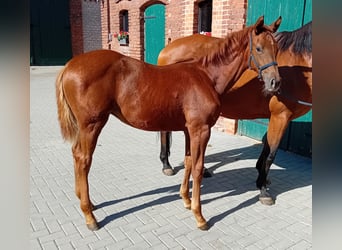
266,200
168,171
187,204
203,227
93,226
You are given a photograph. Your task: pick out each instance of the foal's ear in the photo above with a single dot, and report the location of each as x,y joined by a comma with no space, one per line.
259,25
274,26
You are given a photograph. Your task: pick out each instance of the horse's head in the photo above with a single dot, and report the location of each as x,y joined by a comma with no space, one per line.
263,51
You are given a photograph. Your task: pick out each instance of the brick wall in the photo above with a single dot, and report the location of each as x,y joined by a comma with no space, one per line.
76,26
91,23
174,20
181,19
228,16
235,16
110,14
105,28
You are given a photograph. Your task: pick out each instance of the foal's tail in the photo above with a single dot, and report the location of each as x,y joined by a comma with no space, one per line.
67,120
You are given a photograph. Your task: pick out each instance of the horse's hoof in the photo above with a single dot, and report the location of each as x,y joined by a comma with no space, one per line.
206,173
204,227
266,200
168,171
93,226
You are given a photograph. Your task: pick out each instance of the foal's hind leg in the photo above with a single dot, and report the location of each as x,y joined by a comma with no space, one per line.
83,150
184,189
276,129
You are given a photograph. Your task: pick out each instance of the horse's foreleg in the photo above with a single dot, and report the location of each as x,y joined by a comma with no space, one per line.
82,152
276,129
263,164
260,165
165,144
184,189
198,140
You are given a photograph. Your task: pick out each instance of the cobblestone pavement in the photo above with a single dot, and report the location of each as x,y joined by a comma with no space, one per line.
140,208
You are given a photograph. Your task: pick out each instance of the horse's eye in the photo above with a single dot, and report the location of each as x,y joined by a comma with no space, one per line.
258,49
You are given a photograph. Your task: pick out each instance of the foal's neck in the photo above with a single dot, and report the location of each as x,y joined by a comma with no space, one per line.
225,74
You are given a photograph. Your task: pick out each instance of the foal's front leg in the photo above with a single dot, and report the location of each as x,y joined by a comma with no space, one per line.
199,137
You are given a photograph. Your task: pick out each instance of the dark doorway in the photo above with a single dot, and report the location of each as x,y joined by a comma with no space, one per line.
50,36
205,16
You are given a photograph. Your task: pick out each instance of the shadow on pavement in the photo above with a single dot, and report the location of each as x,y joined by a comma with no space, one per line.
232,182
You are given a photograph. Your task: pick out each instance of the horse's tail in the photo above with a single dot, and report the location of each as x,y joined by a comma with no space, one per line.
67,120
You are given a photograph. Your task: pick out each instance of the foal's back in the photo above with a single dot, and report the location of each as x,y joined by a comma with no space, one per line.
142,95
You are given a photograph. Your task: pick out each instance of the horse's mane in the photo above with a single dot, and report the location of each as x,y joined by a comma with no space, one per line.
300,39
227,48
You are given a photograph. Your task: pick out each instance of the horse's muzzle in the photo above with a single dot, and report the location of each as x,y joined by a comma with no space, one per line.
275,84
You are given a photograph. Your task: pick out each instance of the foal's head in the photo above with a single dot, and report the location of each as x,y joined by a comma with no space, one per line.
263,51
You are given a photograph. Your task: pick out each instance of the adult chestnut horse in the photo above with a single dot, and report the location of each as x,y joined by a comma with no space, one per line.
181,97
291,101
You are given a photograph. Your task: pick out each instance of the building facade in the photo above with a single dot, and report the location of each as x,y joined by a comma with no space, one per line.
65,28
182,18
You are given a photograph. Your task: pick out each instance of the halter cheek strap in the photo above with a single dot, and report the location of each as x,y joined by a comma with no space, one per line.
252,58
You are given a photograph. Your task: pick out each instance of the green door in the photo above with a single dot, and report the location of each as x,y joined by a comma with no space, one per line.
295,13
50,36
154,32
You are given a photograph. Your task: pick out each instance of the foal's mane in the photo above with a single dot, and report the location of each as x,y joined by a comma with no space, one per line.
227,48
300,39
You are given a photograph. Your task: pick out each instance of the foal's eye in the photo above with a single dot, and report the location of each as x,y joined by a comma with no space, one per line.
258,49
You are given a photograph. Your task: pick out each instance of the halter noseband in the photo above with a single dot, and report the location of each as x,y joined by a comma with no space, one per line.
252,58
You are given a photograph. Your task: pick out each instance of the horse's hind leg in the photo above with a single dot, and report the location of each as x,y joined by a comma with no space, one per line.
165,144
83,150
276,129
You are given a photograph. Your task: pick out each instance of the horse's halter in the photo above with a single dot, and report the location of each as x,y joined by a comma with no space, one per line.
252,58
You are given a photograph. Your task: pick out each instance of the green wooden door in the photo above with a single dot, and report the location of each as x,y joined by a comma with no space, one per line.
50,36
295,13
154,32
